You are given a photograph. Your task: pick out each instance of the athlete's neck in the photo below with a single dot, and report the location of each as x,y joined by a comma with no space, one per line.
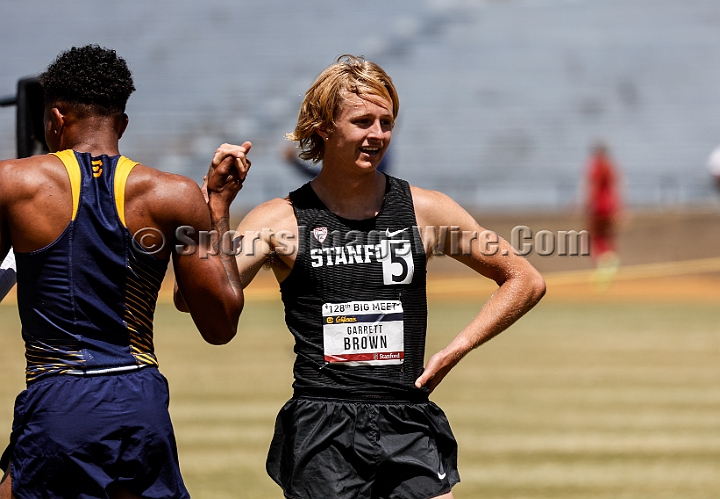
96,135
85,138
356,198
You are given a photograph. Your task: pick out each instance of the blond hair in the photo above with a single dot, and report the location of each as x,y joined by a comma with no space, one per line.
322,101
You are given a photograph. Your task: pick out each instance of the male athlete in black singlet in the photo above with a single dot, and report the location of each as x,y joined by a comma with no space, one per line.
92,233
350,250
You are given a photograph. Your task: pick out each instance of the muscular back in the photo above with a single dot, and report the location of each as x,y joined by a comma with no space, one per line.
36,203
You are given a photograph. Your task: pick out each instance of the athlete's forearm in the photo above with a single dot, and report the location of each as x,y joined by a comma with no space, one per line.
515,297
223,249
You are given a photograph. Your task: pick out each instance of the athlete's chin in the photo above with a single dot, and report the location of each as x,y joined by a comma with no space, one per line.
369,161
367,166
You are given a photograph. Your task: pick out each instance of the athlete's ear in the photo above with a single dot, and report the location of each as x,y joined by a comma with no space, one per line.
123,125
54,126
322,133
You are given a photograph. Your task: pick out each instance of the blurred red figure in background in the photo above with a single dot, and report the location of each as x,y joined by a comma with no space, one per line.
603,208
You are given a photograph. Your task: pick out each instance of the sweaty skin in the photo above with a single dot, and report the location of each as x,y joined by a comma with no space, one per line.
351,187
36,207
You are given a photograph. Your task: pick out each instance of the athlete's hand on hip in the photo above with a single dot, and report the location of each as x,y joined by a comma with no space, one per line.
227,172
436,369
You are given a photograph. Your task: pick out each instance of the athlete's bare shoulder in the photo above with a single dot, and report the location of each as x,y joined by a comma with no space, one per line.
274,225
433,208
21,177
276,214
425,198
35,201
167,195
145,178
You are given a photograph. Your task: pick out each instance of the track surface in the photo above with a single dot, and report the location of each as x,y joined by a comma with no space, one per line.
598,394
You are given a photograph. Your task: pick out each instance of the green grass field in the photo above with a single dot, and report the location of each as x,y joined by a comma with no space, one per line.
576,401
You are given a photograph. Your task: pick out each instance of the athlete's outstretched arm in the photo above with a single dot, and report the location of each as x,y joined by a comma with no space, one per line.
207,278
269,236
521,286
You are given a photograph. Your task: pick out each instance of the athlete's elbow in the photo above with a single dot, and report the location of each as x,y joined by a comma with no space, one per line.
223,331
536,286
528,285
217,341
217,319
179,302
219,336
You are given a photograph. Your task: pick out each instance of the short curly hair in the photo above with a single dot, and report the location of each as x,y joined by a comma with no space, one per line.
92,80
351,74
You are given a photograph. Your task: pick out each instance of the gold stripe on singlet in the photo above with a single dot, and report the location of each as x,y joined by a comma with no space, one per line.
122,171
73,169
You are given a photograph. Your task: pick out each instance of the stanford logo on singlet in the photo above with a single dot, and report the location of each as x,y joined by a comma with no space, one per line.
393,249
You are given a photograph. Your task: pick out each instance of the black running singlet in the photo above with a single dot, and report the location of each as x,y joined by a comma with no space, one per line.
355,300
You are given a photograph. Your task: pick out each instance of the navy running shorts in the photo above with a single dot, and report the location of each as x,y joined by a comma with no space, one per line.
74,436
361,450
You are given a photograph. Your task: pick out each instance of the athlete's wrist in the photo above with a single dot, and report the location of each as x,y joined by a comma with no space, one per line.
219,209
456,350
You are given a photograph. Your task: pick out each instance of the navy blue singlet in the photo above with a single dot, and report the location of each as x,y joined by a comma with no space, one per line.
87,300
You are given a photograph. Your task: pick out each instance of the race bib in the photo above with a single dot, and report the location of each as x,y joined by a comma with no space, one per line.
364,333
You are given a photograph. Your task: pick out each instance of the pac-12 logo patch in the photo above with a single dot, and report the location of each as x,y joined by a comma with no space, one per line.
320,233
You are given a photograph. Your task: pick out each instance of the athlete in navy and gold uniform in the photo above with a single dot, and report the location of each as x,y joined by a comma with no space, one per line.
92,233
350,250
97,286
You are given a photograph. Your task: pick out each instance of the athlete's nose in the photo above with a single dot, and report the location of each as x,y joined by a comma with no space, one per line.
376,130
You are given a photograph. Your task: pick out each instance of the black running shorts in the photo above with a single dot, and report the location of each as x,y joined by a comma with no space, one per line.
362,450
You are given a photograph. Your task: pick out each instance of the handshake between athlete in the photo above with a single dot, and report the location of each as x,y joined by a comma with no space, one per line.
360,424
